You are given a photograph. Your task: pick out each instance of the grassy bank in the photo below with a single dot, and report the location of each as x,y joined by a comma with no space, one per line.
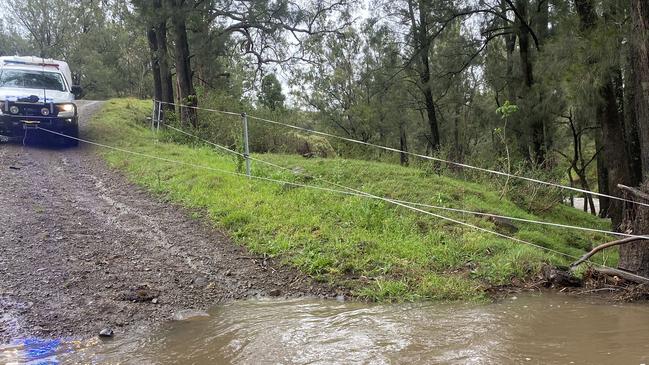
379,250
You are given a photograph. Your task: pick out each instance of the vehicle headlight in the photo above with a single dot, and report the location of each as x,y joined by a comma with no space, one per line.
14,109
45,111
66,110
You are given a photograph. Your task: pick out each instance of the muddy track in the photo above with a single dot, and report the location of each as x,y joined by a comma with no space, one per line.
82,249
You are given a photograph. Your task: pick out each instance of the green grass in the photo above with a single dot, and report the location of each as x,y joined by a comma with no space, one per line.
378,250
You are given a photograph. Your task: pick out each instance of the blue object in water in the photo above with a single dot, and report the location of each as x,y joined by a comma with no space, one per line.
41,352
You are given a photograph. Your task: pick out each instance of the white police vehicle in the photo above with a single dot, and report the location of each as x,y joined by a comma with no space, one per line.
37,93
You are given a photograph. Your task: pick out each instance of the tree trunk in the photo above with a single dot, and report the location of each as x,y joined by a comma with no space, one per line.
572,185
535,126
403,144
155,64
510,46
587,15
541,17
524,44
602,177
165,71
617,161
614,148
157,39
186,91
422,48
631,124
640,65
587,20
634,257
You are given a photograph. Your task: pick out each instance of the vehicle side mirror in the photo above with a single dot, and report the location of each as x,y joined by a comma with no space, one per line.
77,91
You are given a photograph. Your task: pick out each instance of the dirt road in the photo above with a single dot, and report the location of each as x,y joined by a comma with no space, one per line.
81,249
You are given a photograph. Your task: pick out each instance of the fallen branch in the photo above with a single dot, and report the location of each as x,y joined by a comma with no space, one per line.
636,192
597,290
603,246
622,274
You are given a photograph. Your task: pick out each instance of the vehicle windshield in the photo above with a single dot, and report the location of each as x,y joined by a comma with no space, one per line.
32,79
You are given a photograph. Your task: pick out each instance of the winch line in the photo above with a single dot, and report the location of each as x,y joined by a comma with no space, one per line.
360,194
437,159
457,210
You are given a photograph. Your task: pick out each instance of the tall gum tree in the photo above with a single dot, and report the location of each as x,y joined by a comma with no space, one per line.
184,76
615,159
266,32
155,19
634,257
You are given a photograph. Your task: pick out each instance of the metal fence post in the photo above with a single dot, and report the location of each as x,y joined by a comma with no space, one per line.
246,146
159,116
155,103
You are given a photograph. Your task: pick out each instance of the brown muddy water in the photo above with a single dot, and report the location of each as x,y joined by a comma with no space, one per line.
539,329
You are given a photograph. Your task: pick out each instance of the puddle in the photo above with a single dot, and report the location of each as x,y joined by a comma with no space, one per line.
548,329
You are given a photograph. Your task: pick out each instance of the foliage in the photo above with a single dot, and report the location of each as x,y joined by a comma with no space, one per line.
507,109
270,94
100,40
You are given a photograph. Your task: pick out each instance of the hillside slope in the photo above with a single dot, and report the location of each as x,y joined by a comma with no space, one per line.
377,249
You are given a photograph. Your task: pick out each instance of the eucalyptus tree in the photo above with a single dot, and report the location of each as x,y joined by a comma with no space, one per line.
155,23
11,41
46,21
101,45
420,22
604,59
334,85
634,257
265,31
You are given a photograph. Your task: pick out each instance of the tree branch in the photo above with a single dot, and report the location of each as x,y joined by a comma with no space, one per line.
606,245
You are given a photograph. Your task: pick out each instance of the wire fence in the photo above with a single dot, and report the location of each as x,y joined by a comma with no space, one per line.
349,191
425,157
429,206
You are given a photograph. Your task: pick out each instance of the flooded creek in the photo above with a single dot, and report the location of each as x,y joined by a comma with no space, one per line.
544,329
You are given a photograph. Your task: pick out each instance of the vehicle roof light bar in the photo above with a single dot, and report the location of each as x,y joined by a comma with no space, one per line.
31,63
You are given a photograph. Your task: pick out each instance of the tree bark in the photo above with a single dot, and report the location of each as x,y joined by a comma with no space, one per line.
155,64
162,55
536,124
630,122
403,144
635,257
165,71
602,177
422,48
186,92
614,148
587,15
510,46
155,14
640,65
611,121
541,19
425,77
524,44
